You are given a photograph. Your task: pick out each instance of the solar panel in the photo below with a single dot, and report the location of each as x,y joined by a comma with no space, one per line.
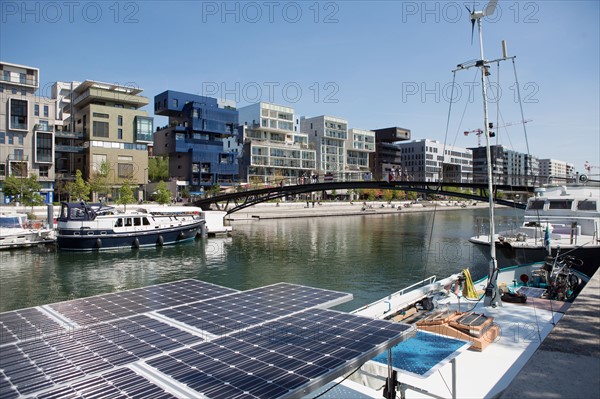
288,357
227,314
186,339
113,306
24,324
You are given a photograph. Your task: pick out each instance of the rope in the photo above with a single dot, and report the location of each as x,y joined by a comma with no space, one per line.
469,288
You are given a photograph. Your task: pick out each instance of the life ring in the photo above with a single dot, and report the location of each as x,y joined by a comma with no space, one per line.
160,241
136,243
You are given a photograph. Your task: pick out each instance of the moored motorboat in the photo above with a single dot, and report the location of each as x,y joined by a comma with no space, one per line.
16,231
563,219
87,227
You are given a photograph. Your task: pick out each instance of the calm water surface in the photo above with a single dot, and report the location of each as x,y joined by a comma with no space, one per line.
368,256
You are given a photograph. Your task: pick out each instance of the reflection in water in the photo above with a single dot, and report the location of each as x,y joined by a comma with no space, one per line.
369,256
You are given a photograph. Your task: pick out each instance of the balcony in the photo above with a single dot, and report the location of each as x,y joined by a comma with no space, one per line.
69,135
94,94
17,81
68,148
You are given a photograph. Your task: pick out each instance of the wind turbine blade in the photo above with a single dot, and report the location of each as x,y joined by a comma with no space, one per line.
472,29
490,8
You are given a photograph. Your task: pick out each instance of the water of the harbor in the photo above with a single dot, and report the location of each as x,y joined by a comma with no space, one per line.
368,256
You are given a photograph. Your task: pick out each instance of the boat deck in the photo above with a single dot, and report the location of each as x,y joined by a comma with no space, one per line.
567,364
485,374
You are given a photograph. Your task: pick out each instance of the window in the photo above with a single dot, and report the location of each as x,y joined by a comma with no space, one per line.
120,134
97,161
100,129
561,204
45,111
18,114
175,103
586,205
43,125
100,115
44,147
143,128
120,120
146,221
2,169
137,221
119,106
22,78
18,154
36,109
2,137
125,170
44,171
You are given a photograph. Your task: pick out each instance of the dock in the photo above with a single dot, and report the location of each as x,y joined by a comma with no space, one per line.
567,363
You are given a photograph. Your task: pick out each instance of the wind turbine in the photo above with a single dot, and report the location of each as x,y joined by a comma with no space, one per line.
478,15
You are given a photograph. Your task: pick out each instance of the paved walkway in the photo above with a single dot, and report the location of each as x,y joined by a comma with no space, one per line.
300,210
567,364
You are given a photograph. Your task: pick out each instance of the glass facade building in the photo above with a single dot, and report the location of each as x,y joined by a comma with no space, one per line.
196,139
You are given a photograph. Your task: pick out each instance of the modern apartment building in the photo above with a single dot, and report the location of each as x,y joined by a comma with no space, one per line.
480,164
521,169
329,136
359,147
387,158
274,150
553,171
26,128
508,166
107,126
198,139
431,161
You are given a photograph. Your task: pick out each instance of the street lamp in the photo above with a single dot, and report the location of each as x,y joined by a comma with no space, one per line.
145,183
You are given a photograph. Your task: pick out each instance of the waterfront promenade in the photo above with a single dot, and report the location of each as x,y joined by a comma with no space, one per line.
285,210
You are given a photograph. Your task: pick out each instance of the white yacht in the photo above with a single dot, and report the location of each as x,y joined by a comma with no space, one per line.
564,219
17,232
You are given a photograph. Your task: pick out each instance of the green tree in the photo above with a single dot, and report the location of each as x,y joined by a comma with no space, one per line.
411,195
99,181
79,189
163,195
25,188
388,195
126,194
158,168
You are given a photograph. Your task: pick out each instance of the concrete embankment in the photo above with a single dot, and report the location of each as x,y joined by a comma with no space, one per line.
285,210
567,363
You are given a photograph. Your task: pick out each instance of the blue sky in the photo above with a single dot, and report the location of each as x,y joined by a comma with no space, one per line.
374,63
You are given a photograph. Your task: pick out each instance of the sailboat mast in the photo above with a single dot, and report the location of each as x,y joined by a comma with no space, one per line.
492,295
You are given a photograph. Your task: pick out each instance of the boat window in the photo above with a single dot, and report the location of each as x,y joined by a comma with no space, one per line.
586,205
77,213
561,204
119,222
536,204
146,221
137,221
128,222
